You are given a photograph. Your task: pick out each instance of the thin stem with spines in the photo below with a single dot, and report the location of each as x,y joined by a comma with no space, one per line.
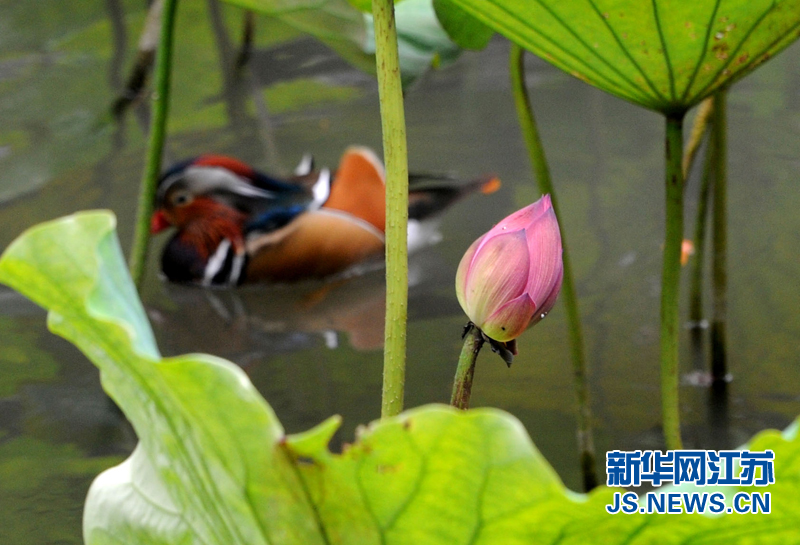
155,145
462,385
396,157
696,288
569,297
719,272
670,282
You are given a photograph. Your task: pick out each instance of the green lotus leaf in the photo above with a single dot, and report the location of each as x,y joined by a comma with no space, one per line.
463,28
666,55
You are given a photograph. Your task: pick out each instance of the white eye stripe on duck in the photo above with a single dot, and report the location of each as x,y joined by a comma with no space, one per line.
204,179
166,185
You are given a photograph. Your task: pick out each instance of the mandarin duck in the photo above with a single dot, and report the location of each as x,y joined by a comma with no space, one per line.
236,225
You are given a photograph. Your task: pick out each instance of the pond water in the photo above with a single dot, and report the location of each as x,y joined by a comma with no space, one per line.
315,349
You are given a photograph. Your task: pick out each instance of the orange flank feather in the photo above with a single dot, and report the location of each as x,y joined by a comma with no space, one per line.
348,229
359,187
315,245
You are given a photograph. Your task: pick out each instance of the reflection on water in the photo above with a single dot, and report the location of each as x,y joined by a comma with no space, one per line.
255,322
314,349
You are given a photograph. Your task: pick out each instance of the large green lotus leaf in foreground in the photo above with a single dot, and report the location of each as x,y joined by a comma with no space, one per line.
213,466
666,55
422,42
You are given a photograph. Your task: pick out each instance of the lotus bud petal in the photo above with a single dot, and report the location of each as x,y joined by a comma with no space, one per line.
510,277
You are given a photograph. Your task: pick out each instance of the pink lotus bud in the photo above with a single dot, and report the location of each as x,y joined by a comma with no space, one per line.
510,277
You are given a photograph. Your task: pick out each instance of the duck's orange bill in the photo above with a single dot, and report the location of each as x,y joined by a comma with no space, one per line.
158,222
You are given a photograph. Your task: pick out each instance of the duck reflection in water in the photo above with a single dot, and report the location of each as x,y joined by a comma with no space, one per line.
263,321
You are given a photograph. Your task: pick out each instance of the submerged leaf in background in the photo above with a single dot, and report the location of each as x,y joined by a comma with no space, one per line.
334,22
213,466
422,41
664,55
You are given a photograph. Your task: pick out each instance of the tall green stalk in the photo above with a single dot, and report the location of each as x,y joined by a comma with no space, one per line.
719,366
530,131
699,129
696,289
670,282
395,155
155,145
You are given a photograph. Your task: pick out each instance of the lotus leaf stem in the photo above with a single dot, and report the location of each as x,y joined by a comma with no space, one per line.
396,158
719,366
696,288
670,282
536,152
155,145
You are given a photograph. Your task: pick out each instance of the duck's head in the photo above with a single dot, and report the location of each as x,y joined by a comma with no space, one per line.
199,187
